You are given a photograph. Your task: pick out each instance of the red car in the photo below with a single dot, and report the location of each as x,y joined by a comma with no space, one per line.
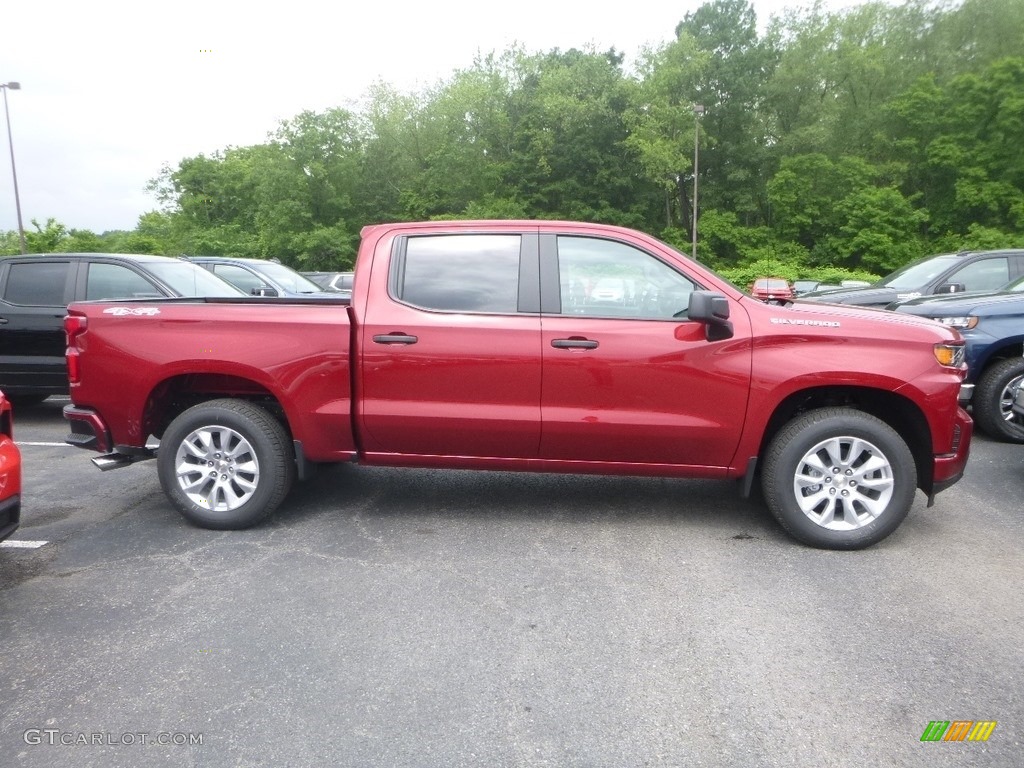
772,290
10,473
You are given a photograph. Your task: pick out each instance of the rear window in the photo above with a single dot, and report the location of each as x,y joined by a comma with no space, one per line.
461,273
38,284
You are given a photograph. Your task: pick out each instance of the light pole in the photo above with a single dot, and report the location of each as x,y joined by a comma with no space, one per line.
698,110
10,141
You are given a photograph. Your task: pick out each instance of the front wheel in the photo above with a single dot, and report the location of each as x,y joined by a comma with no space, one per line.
838,478
993,400
225,464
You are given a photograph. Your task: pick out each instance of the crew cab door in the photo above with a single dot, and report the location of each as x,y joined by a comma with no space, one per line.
34,295
450,346
627,378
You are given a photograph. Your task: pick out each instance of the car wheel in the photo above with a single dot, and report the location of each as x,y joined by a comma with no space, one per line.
225,464
993,400
838,478
25,400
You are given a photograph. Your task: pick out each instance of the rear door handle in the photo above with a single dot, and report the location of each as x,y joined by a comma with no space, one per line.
3,321
395,338
574,344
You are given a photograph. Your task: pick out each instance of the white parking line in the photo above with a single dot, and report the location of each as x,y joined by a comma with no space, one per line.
15,544
51,445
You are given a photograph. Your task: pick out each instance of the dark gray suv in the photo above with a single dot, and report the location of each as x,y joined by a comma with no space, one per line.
933,275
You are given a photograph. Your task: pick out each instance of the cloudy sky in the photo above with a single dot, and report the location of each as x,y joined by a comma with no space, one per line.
112,90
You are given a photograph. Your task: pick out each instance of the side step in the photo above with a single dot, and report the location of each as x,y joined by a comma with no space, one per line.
110,461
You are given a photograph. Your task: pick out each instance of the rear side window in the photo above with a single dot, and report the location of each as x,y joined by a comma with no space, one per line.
461,273
115,281
37,285
239,277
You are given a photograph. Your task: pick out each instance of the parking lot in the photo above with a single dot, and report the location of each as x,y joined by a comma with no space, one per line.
431,618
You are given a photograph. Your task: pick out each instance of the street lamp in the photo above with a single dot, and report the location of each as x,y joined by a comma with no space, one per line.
698,110
10,140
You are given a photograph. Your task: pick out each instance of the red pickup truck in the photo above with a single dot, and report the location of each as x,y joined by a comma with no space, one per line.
526,345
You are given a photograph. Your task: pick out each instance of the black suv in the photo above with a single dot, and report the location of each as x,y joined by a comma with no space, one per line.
939,274
36,290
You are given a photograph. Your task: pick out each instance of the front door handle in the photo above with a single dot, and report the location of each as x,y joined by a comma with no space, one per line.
574,343
4,320
395,338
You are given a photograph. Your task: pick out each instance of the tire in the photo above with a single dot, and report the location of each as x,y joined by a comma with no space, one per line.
865,505
244,444
25,400
993,397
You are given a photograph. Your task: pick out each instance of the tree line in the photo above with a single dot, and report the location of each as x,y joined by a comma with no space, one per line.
831,143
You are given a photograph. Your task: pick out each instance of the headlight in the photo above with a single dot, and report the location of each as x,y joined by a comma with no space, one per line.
950,355
960,323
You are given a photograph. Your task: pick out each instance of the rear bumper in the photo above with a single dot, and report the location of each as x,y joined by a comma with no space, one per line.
88,430
949,467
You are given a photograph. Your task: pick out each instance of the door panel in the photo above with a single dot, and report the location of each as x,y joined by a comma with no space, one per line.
459,374
648,387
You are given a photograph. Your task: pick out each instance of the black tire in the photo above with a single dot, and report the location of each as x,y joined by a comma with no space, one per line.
993,397
246,449
26,400
867,503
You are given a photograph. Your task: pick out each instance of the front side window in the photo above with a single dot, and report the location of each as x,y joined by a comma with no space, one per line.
115,281
461,273
39,284
605,278
984,275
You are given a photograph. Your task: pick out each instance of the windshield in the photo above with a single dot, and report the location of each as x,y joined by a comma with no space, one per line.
919,273
192,281
289,279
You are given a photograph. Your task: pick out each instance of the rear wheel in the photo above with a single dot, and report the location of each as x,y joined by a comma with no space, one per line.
225,464
838,478
993,400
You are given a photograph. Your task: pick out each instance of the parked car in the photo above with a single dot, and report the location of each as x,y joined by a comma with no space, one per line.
10,473
939,274
340,282
992,325
773,290
259,277
35,291
800,287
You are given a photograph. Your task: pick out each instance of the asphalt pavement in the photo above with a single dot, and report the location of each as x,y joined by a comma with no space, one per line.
442,618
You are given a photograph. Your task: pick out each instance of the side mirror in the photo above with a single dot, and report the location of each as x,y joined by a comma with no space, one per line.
712,309
951,288
265,290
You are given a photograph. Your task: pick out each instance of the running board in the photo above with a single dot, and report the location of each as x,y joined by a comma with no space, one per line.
111,461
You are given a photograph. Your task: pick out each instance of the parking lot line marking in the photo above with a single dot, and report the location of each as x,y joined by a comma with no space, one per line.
51,445
15,544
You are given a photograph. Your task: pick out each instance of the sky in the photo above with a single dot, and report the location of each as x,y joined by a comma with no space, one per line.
111,91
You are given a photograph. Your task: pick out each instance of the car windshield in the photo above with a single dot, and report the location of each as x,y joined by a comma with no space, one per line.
919,273
289,279
189,280
772,285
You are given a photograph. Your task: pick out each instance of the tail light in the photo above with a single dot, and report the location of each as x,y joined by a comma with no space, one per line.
74,327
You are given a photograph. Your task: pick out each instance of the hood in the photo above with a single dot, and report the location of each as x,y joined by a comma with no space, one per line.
871,296
954,305
852,320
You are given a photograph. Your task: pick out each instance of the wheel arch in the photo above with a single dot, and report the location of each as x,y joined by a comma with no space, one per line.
177,393
899,412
